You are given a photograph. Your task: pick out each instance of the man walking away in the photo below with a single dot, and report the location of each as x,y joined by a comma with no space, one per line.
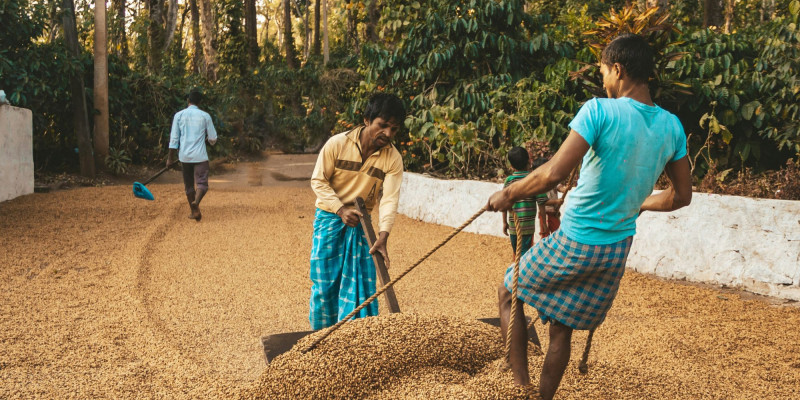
191,128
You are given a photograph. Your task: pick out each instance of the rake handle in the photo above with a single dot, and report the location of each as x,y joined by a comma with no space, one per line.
152,178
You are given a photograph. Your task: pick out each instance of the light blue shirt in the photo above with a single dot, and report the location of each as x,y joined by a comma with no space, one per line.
630,144
189,130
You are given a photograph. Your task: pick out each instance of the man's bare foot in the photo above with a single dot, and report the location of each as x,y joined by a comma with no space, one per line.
195,212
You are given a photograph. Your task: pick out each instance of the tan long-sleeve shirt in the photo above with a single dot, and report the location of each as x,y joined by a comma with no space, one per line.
340,176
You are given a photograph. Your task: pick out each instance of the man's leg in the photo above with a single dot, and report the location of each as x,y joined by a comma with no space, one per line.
201,179
518,356
556,360
358,275
188,184
326,270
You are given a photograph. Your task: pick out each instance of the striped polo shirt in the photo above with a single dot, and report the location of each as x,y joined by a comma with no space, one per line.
525,208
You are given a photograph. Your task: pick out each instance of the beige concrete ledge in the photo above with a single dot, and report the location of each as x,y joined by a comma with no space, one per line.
16,152
752,244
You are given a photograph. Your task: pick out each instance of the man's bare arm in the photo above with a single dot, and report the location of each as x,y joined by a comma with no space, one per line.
676,196
544,178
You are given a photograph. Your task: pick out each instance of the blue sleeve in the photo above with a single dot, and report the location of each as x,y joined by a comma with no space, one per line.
680,141
212,133
588,121
175,134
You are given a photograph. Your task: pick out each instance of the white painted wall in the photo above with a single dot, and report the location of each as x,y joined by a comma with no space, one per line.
753,244
16,152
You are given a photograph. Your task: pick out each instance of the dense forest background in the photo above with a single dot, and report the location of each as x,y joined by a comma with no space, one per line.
478,76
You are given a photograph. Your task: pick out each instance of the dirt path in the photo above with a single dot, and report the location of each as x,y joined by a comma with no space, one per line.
106,296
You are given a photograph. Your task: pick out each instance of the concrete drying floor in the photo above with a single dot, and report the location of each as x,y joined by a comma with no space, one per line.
103,295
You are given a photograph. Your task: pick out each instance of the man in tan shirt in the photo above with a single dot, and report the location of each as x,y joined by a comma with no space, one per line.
359,163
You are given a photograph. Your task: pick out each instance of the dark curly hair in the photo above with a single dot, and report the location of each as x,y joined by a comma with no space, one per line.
632,52
387,106
518,158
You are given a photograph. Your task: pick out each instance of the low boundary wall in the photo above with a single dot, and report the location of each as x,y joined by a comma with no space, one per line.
752,244
16,152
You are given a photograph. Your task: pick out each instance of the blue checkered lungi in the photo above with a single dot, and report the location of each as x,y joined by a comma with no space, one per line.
342,272
570,282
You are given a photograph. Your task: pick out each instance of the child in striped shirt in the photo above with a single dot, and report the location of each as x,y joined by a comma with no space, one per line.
526,208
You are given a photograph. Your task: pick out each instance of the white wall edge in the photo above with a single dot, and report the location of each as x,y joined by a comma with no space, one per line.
752,244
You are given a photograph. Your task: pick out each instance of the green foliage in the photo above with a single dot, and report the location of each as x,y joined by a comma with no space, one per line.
447,60
478,77
117,161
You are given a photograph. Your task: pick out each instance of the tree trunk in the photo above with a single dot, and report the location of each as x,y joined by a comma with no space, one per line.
352,27
265,32
207,19
197,44
182,43
729,6
100,84
119,37
288,39
307,33
54,25
712,13
373,15
325,48
172,22
155,36
80,120
316,46
251,32
278,26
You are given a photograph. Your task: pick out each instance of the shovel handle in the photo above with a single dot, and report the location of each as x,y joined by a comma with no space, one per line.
158,173
380,264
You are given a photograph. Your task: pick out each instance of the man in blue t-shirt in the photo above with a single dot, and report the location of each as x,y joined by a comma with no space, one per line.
623,143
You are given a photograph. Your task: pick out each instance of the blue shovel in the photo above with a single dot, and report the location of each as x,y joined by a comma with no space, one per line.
141,191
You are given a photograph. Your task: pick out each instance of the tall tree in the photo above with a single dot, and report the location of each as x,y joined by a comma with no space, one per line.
119,36
373,14
352,26
251,32
197,44
288,39
171,21
712,13
326,54
54,25
155,35
316,46
209,28
80,120
100,93
729,6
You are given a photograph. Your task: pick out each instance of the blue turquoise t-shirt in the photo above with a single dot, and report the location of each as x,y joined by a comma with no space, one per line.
630,144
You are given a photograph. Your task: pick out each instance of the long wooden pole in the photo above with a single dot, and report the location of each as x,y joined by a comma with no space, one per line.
380,265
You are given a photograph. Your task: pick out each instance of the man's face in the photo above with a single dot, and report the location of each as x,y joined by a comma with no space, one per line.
610,79
382,131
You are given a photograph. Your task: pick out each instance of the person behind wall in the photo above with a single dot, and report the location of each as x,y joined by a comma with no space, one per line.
358,163
572,276
526,208
191,128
